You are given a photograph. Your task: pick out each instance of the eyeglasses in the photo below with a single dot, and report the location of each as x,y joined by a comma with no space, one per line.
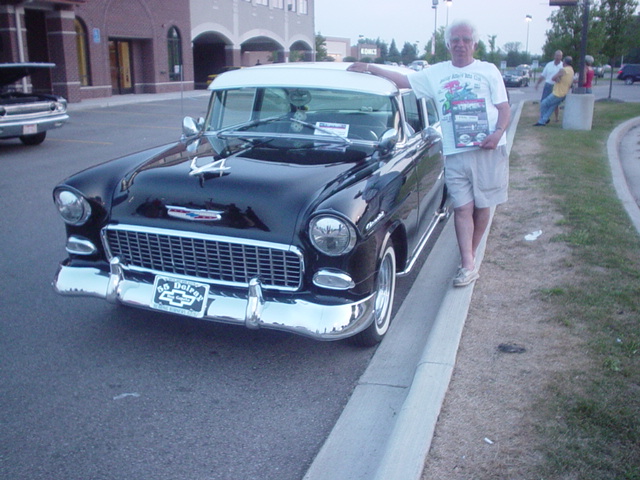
465,40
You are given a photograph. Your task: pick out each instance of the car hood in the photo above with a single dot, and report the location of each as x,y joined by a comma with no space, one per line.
12,72
254,195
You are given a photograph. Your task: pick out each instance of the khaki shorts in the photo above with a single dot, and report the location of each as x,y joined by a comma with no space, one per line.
480,176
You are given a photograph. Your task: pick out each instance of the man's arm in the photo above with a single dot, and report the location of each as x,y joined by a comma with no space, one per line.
399,79
504,114
556,78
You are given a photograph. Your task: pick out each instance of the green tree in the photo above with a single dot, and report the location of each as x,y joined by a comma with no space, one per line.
321,49
494,55
394,53
620,28
408,53
481,50
441,52
566,31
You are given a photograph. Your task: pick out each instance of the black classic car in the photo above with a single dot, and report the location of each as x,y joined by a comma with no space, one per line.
28,116
292,206
515,78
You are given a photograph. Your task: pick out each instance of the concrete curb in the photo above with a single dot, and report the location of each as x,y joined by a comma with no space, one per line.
617,173
411,438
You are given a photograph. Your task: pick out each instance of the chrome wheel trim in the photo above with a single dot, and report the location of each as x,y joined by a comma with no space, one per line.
385,288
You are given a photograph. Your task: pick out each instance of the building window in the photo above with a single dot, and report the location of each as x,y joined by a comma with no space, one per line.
277,4
174,47
303,7
82,49
291,5
262,2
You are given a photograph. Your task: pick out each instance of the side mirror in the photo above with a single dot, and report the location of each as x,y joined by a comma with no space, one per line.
388,141
189,128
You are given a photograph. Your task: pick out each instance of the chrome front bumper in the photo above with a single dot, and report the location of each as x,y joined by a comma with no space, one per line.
15,127
251,309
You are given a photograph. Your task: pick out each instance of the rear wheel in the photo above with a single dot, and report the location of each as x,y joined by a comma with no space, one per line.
385,291
35,139
628,81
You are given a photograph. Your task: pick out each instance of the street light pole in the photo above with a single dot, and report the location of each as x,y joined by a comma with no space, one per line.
434,5
528,19
449,2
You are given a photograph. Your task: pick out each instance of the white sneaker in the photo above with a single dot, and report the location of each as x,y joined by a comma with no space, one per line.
464,277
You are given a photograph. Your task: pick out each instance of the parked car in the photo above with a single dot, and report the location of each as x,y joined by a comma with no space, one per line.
28,116
601,70
524,69
515,78
292,206
629,73
418,65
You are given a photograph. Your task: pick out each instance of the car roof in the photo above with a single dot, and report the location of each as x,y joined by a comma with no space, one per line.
12,72
329,75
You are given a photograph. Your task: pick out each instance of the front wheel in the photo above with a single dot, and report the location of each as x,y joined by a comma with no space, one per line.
385,291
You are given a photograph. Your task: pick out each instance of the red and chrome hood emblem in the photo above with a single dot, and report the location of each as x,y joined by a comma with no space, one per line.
194,215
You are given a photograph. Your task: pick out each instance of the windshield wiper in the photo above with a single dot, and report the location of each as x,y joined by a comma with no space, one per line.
252,123
239,131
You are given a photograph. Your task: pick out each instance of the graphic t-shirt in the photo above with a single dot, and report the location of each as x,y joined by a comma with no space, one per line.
453,87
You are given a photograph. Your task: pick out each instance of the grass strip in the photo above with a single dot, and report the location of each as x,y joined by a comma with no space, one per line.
590,420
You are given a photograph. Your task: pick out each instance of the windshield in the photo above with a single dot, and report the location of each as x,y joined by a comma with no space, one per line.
322,114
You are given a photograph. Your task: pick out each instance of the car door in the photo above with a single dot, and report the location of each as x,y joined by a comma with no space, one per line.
422,116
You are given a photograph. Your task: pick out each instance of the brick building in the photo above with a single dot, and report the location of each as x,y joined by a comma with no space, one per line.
110,47
101,47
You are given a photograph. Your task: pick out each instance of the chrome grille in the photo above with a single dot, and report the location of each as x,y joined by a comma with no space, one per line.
215,259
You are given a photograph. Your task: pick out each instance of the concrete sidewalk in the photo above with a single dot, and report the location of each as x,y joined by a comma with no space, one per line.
117,100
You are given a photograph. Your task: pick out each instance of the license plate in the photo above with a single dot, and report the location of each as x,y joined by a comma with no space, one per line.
29,129
180,296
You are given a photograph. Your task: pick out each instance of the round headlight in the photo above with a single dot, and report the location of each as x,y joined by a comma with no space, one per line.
332,235
74,209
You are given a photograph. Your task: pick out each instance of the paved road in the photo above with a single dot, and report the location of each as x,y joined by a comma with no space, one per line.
619,91
92,391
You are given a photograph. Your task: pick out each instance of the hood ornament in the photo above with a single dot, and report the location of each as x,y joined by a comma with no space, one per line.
218,167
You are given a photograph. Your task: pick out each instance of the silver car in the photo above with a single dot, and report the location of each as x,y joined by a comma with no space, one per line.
28,116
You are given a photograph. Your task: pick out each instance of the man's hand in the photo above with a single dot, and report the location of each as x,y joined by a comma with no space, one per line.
360,67
491,142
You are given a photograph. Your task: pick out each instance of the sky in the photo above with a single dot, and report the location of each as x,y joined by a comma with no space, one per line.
413,20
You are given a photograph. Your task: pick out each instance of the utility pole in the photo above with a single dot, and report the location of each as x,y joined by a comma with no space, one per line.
528,19
434,5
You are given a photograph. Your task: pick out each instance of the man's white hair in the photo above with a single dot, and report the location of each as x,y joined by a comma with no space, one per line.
460,23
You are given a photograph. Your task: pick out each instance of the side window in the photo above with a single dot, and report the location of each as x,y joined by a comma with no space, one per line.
432,111
274,102
232,107
412,112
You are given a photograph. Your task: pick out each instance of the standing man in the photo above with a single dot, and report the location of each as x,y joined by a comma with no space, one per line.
549,71
477,177
563,80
